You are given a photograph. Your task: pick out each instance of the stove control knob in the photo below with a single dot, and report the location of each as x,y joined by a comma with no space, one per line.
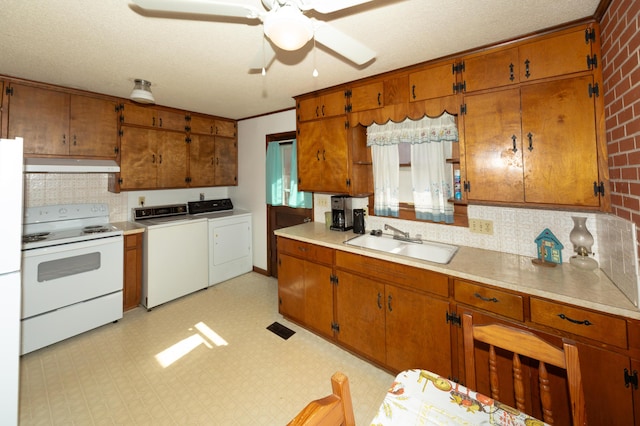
62,211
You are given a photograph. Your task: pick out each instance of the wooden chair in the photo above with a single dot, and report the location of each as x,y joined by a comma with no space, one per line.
333,410
527,344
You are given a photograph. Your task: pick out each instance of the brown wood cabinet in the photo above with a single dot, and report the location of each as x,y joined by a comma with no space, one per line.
559,54
435,81
152,116
323,156
202,160
392,314
208,125
152,158
226,166
366,97
323,105
57,123
333,157
217,140
531,121
607,372
566,52
132,286
533,144
491,70
305,284
403,317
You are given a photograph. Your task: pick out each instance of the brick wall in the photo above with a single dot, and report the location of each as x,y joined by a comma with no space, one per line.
620,39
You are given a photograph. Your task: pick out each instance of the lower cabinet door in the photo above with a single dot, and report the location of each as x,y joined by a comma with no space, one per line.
318,298
291,287
609,401
360,311
417,335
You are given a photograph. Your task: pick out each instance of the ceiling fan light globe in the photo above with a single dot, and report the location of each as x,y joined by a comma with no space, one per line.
288,28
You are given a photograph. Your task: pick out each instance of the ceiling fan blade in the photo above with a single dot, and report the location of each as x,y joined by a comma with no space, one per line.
343,44
264,57
201,7
329,6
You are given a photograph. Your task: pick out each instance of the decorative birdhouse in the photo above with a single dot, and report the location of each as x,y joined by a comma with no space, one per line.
549,247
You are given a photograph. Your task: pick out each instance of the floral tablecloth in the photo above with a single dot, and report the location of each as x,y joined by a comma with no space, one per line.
419,397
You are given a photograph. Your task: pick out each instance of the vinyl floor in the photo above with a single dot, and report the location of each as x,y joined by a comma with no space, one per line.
204,359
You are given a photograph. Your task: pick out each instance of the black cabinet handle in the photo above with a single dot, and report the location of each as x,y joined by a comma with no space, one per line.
485,299
379,99
514,139
389,303
379,301
530,137
413,91
585,322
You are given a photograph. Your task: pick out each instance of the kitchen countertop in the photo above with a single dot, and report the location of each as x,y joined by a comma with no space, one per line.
564,283
128,227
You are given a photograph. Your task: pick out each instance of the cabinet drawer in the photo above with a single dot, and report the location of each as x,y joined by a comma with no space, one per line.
312,252
600,327
391,272
497,301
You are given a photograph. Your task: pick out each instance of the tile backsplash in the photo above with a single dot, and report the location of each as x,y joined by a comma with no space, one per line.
620,258
42,189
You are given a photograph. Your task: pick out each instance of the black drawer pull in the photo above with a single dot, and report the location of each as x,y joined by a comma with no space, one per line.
585,322
486,299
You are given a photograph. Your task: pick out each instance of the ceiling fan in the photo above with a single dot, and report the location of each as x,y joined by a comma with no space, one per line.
284,23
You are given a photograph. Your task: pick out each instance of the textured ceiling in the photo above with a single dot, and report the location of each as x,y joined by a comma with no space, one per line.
202,65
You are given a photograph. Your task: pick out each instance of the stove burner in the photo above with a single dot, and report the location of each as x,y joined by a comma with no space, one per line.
38,236
93,229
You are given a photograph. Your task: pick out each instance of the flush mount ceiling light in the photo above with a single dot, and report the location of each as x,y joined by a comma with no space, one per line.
288,28
142,92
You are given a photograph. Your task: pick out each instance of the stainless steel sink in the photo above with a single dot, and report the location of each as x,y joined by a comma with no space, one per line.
427,250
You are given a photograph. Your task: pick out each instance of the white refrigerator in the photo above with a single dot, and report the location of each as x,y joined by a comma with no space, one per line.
10,293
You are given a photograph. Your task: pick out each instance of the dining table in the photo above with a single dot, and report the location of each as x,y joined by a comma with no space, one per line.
420,397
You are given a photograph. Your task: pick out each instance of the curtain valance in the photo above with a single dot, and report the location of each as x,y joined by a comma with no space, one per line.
425,130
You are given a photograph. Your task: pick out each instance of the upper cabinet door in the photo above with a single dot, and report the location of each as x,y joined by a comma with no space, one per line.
202,160
559,148
491,70
433,82
368,96
493,146
138,160
93,127
41,118
139,115
559,55
170,120
172,159
202,125
325,105
226,166
225,128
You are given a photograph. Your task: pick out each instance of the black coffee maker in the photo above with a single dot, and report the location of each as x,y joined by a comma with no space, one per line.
341,213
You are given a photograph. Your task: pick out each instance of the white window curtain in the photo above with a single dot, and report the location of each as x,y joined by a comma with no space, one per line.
432,179
386,180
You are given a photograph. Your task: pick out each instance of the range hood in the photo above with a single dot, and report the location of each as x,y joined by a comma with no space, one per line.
69,165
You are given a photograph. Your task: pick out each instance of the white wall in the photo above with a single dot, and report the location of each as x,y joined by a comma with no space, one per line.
250,192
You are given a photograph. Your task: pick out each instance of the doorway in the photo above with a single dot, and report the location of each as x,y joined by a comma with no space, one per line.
281,216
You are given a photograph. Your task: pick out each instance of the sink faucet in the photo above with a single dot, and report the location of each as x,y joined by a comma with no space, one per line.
401,235
396,231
